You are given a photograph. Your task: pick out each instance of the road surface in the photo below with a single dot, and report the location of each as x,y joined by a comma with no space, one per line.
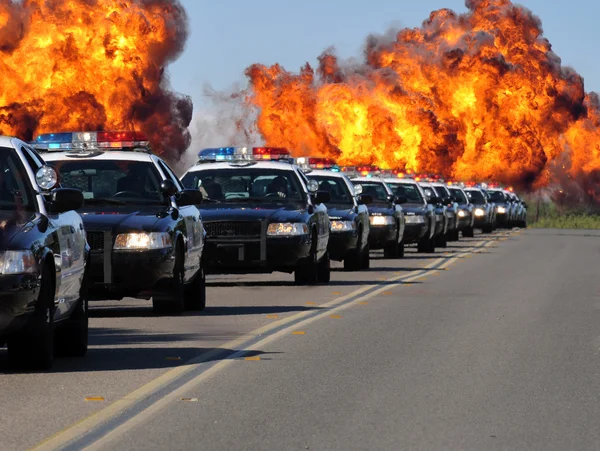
491,344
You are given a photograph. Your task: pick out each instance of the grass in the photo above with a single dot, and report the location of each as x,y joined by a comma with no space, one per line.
548,215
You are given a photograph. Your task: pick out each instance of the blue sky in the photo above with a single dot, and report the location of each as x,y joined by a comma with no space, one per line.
228,36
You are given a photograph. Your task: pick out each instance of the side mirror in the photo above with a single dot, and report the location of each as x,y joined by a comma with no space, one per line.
64,199
365,199
321,197
46,178
313,186
400,200
168,188
190,197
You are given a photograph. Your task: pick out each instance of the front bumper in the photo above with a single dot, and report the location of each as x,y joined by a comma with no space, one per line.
18,295
255,255
340,243
414,232
130,273
379,236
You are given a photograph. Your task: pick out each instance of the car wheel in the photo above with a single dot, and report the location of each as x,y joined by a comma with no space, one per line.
33,347
72,338
174,301
468,232
423,244
486,229
306,272
366,258
441,241
353,260
324,269
400,249
195,294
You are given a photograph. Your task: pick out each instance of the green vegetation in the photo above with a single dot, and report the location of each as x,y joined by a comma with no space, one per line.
543,214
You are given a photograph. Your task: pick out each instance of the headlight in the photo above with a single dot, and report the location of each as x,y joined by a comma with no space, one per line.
416,219
479,212
17,262
501,209
287,229
342,226
381,220
143,241
461,213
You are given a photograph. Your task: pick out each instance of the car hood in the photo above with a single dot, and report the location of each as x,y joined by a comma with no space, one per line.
11,223
380,210
417,209
340,212
119,219
245,212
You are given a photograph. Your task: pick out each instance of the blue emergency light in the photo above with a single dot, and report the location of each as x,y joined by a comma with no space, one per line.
215,154
83,141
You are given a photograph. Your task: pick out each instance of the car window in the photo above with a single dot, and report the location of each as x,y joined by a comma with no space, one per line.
459,195
497,196
337,188
169,173
476,196
374,189
246,183
32,158
441,192
127,181
429,191
16,192
408,190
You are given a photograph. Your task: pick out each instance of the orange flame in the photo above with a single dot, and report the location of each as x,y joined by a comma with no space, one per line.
74,65
476,96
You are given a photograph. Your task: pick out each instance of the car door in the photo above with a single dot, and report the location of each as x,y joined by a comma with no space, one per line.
321,216
70,254
193,226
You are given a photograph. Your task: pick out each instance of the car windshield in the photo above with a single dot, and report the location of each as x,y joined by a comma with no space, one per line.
337,188
408,190
374,189
476,196
459,196
16,193
246,184
497,196
441,191
112,181
429,192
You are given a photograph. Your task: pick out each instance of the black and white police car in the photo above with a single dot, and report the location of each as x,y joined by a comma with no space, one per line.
347,209
387,219
261,213
143,226
43,261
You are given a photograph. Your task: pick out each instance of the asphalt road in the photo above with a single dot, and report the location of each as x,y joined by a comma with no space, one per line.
492,344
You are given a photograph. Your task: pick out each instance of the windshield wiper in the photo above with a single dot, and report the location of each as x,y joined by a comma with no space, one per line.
214,201
105,200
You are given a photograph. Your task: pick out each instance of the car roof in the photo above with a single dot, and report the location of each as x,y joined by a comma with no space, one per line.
7,141
472,189
367,179
323,172
237,165
397,180
113,155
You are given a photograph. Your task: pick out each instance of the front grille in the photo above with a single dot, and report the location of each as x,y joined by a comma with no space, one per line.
233,228
96,240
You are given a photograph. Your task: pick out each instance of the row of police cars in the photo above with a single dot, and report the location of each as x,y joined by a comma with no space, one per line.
97,215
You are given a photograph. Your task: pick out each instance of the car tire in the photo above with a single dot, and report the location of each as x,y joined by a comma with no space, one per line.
324,269
306,272
390,250
71,339
486,229
353,261
33,347
468,232
195,293
400,250
441,241
365,259
174,301
454,235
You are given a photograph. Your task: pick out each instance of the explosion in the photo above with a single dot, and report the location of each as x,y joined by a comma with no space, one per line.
477,96
74,65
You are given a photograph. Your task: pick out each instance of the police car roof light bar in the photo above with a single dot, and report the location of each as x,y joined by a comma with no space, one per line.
84,141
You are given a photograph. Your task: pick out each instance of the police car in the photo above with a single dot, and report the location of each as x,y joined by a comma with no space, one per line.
347,209
445,196
503,204
43,261
441,215
418,214
261,213
387,219
143,227
482,209
466,218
